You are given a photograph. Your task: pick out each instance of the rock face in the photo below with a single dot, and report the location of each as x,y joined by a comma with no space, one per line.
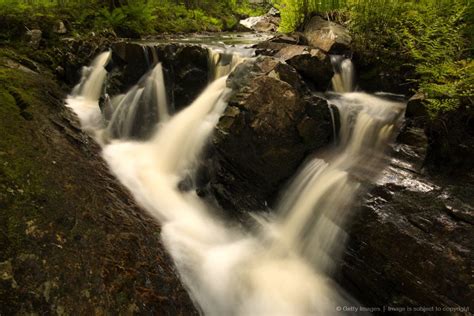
312,64
185,68
327,36
72,240
411,242
271,118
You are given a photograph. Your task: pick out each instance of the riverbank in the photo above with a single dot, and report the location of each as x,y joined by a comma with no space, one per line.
72,239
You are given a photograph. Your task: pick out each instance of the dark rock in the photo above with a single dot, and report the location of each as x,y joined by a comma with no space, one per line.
71,54
411,148
415,108
270,119
331,37
451,136
411,229
387,73
185,69
314,65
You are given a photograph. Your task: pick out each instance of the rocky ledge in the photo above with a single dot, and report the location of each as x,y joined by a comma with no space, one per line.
72,239
411,240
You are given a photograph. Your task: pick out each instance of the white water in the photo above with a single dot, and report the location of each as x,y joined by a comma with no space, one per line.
285,266
343,79
136,112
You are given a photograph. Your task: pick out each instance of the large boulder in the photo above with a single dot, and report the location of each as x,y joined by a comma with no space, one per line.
331,37
271,123
313,64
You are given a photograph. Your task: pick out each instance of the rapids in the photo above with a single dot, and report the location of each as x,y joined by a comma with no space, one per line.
286,265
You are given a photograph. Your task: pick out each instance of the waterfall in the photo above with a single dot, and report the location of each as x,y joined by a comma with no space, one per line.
136,113
93,77
343,79
285,266
315,206
132,115
84,100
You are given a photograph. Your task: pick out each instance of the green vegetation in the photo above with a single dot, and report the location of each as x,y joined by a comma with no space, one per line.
293,12
430,38
126,18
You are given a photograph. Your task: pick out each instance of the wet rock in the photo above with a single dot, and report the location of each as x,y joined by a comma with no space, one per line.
132,59
411,241
331,37
187,72
269,119
411,148
416,109
185,68
71,54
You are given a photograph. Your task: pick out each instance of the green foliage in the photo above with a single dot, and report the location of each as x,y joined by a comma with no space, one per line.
431,40
433,37
428,37
293,12
127,17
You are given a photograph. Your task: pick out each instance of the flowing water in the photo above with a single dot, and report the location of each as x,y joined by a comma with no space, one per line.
283,267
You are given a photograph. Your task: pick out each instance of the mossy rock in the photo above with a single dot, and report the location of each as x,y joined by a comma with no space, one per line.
72,240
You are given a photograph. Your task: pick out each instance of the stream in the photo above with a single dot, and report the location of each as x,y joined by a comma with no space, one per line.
286,263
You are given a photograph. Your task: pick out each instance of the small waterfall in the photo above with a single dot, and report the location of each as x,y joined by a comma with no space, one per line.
285,266
221,63
316,205
343,79
84,99
137,112
93,78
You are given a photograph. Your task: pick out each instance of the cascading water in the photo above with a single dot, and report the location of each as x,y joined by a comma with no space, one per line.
343,79
285,266
85,96
136,112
